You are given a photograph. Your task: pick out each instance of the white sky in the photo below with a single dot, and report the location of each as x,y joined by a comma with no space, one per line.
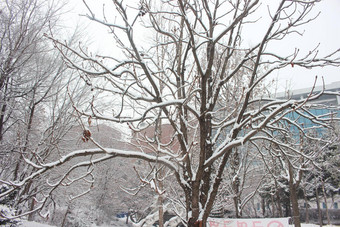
324,30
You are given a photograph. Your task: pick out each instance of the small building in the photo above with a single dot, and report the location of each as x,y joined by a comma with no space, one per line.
329,100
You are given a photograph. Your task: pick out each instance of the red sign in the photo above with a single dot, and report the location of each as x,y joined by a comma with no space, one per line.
258,222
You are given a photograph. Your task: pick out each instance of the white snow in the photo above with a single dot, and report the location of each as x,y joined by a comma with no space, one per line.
6,211
33,224
116,223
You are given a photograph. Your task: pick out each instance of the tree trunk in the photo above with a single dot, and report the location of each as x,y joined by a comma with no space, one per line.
65,216
3,109
295,206
31,208
318,206
160,183
160,211
273,206
237,214
307,209
279,205
288,210
263,203
294,198
2,120
325,201
160,202
236,182
255,208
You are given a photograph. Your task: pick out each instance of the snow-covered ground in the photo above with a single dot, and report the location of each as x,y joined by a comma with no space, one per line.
33,224
36,224
122,224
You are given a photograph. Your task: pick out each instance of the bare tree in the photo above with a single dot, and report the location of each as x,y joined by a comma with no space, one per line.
23,23
41,119
297,154
35,86
184,85
323,179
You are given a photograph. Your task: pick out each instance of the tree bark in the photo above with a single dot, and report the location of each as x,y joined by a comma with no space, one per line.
294,198
295,206
318,206
263,207
325,201
279,205
307,209
65,216
160,201
31,207
273,206
3,109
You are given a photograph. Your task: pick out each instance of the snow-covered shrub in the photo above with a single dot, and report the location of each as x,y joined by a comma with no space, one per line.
5,213
6,207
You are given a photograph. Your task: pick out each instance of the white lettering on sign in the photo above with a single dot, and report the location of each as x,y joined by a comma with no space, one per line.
263,222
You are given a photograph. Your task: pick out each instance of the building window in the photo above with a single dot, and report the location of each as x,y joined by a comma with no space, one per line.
335,205
324,205
258,206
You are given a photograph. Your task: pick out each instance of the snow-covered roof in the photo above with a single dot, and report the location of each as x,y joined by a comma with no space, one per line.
304,92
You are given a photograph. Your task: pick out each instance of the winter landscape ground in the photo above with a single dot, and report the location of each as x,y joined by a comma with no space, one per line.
117,223
122,224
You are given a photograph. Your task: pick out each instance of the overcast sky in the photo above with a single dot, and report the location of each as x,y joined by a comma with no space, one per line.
324,30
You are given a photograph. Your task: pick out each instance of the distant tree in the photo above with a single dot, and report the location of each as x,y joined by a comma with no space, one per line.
323,180
35,86
291,171
202,55
23,24
241,183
